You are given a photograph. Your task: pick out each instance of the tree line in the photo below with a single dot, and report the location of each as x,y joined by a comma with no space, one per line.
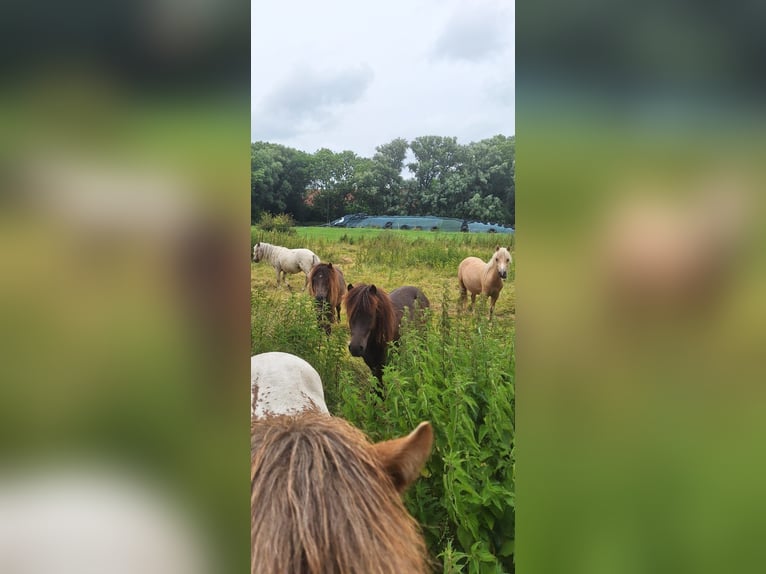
446,179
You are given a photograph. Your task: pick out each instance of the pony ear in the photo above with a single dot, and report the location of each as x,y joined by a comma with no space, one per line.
349,287
497,248
403,458
373,289
329,265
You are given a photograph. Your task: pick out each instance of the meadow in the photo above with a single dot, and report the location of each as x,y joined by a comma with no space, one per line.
456,371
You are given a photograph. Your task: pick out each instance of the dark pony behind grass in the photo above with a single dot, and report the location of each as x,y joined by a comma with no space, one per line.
327,286
325,500
374,318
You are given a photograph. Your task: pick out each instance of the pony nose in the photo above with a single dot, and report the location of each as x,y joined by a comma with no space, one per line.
356,350
503,274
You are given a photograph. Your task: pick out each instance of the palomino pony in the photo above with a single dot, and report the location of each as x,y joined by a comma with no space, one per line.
374,318
327,286
324,500
486,278
285,260
283,384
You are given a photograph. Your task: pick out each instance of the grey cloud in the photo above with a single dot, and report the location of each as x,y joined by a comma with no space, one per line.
308,100
473,34
501,91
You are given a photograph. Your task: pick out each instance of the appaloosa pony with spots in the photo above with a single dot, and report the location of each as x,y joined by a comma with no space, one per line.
486,278
324,500
374,318
328,287
283,384
285,260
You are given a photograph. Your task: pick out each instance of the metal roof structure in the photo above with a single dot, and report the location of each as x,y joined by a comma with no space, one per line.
426,223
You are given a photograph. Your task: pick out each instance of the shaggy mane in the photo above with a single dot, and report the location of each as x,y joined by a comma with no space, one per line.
360,301
321,503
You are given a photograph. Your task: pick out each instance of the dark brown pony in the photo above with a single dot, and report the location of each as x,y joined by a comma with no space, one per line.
327,286
374,318
325,500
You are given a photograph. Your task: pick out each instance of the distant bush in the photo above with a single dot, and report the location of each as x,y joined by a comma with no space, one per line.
281,223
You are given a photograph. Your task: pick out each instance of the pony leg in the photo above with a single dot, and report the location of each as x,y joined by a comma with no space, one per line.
473,301
463,296
492,302
279,277
305,283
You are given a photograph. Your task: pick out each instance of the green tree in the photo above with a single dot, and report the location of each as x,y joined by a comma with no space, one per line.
278,178
489,171
332,180
387,172
475,181
438,160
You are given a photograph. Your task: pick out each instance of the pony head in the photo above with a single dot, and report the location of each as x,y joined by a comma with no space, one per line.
257,252
322,283
501,259
327,286
370,317
324,499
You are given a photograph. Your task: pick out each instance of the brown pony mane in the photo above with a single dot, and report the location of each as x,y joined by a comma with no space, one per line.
334,294
363,300
322,503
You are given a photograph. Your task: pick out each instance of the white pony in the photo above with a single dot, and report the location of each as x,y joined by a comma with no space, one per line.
486,278
283,384
285,260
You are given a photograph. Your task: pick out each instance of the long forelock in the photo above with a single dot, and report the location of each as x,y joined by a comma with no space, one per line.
322,503
314,277
359,301
495,257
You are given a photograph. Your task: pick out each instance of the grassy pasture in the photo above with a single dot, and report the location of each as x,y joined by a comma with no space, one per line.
390,258
457,372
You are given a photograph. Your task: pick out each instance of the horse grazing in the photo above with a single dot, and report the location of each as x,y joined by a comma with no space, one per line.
323,499
374,318
486,278
327,286
283,384
285,260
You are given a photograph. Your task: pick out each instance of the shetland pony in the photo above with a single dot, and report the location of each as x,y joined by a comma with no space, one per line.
327,286
374,318
324,500
486,278
285,260
283,384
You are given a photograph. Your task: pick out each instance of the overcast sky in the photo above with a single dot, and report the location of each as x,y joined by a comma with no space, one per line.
350,74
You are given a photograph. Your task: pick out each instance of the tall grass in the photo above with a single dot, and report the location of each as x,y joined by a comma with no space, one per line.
457,371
